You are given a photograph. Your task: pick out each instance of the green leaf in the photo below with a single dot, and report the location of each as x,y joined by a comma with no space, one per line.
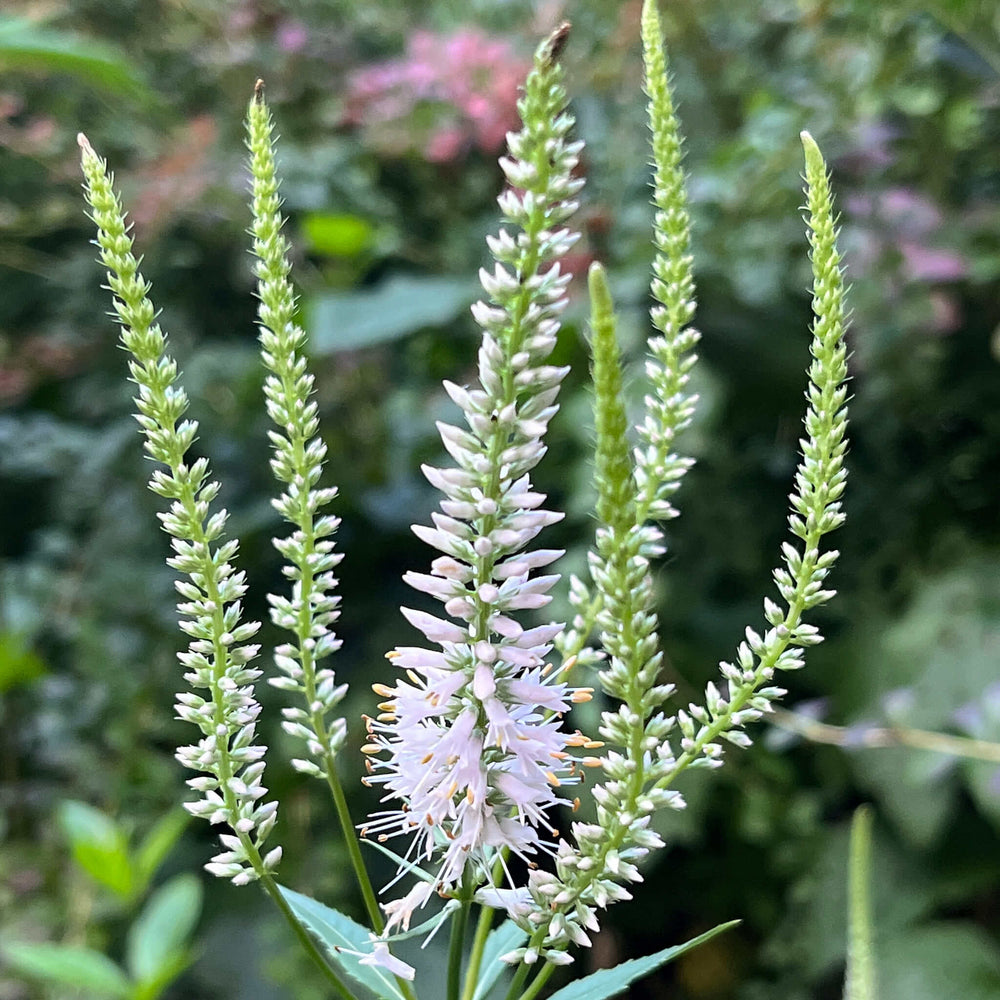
860,983
83,968
157,844
612,982
335,932
99,847
943,959
18,663
24,44
502,939
160,933
337,235
348,321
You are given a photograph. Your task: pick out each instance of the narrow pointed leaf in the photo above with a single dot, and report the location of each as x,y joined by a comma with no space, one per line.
501,940
82,968
614,982
157,844
336,932
99,846
159,936
27,45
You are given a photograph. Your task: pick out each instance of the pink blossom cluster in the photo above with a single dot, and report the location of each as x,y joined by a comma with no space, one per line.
469,744
449,94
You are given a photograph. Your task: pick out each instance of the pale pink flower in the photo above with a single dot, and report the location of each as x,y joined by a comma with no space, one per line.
470,736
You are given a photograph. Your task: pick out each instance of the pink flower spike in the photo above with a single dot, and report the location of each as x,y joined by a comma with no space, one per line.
469,749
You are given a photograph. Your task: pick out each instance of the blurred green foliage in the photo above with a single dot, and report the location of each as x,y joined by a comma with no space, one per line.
903,98
157,946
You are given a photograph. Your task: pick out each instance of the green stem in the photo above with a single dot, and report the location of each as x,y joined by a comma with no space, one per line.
476,957
539,981
457,947
517,983
304,938
353,847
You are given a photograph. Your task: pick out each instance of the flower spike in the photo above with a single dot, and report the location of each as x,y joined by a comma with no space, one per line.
473,742
218,656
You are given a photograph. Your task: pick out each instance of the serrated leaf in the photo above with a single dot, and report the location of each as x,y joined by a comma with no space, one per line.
399,306
612,982
83,968
501,940
161,931
335,932
99,846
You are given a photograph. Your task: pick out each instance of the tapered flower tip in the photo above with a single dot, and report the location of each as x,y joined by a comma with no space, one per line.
600,293
551,49
84,143
382,958
814,158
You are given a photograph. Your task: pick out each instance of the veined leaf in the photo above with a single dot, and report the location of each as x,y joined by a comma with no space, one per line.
339,935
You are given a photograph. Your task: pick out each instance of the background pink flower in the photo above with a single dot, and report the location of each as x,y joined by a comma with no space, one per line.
448,95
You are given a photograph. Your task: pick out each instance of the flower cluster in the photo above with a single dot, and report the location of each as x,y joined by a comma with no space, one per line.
469,748
465,84
217,658
473,739
557,908
298,464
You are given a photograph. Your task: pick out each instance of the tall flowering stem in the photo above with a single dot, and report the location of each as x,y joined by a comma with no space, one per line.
217,658
469,745
639,777
297,463
669,407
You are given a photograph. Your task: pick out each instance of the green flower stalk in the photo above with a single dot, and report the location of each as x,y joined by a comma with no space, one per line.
297,462
218,656
557,907
468,752
669,408
470,743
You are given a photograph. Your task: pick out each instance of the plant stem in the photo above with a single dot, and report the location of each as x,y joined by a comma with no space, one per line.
866,737
457,947
476,958
539,981
517,983
304,938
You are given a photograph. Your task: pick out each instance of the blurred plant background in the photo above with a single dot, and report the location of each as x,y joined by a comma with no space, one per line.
391,114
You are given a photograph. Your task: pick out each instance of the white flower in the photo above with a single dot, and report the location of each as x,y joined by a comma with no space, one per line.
381,958
470,736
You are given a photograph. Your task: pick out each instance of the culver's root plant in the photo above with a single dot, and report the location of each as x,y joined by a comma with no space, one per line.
472,744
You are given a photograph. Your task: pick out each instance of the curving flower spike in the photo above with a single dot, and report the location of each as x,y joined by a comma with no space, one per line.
472,741
225,710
